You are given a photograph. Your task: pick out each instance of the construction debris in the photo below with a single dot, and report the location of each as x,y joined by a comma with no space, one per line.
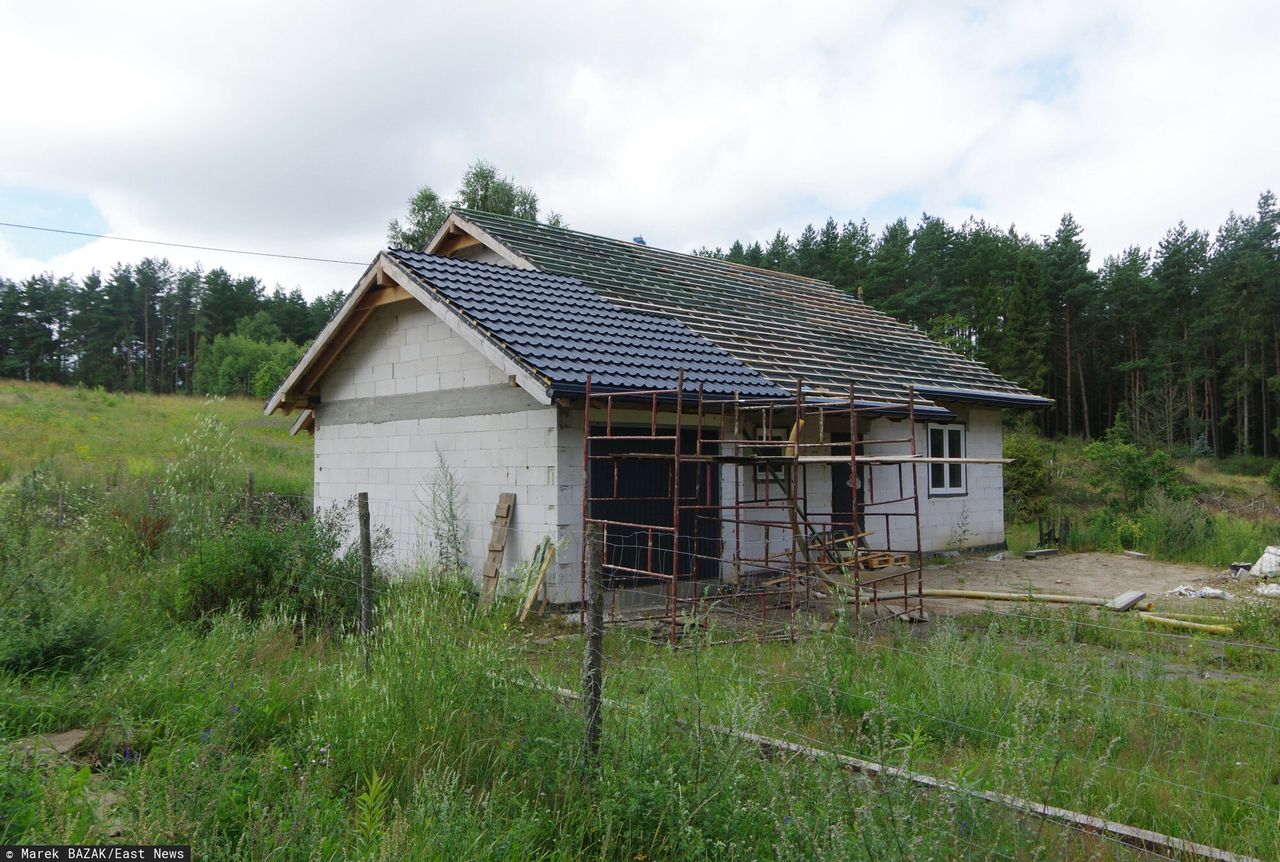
1187,591
1125,601
54,744
1268,590
1017,597
1040,552
1137,555
1268,564
542,560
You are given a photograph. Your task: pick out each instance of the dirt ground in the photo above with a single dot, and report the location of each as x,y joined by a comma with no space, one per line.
1093,574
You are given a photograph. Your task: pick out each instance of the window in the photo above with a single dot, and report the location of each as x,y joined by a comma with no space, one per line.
775,472
946,441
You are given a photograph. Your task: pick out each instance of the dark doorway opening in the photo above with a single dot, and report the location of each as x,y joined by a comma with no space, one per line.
644,490
843,493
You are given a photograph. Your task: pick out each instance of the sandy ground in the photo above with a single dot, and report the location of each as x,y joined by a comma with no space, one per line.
1073,574
1103,575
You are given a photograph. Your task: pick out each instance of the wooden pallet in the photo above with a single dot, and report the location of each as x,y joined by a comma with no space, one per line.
882,560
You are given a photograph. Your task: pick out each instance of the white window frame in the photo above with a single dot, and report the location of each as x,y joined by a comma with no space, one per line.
954,477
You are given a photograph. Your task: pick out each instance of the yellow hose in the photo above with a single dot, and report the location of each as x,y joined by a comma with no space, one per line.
1193,618
1183,624
1016,597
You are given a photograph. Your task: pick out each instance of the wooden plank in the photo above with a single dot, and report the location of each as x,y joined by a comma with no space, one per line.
1040,552
548,549
333,351
383,296
497,545
1125,601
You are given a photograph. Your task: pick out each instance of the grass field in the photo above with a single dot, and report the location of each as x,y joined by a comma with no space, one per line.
93,435
206,646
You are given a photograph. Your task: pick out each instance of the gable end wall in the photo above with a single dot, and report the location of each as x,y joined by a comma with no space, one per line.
407,393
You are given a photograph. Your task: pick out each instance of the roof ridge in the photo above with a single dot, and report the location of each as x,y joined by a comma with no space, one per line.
483,264
483,214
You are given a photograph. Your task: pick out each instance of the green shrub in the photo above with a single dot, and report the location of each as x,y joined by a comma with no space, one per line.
274,564
1029,478
1248,465
20,798
1125,473
39,636
1173,528
1273,476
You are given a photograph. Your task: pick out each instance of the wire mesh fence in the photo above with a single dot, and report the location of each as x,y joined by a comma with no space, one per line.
1017,728
1093,732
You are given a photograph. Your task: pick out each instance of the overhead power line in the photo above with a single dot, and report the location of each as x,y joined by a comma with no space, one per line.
184,245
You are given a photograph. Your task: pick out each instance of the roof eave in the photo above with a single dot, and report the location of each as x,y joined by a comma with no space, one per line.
986,398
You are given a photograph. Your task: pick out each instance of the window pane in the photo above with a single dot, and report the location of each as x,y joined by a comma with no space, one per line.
936,449
957,475
956,449
937,475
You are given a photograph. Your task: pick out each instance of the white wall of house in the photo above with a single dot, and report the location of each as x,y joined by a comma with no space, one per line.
976,517
408,392
948,520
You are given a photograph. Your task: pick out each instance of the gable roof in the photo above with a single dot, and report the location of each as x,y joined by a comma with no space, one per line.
786,327
547,331
563,330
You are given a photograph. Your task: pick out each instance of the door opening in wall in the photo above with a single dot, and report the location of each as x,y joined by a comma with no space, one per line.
647,500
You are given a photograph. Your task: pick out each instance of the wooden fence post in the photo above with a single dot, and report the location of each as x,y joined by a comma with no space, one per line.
366,567
248,497
593,654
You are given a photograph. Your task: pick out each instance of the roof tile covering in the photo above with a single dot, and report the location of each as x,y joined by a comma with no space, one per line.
563,330
786,327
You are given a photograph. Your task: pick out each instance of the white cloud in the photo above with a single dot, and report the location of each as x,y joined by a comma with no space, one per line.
303,127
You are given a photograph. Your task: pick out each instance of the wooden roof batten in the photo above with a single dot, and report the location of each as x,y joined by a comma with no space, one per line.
782,325
457,233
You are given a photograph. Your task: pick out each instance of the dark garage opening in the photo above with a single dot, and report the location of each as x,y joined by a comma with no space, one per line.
643,490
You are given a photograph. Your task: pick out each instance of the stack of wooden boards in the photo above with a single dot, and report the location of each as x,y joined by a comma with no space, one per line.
835,555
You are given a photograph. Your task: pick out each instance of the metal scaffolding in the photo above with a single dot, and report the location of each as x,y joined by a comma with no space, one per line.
728,505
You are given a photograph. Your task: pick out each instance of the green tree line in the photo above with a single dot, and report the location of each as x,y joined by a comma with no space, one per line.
153,327
1182,341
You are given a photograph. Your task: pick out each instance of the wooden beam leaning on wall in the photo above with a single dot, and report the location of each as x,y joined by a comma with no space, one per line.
497,545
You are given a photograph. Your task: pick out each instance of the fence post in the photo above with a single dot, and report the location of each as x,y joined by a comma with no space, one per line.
248,496
366,568
593,655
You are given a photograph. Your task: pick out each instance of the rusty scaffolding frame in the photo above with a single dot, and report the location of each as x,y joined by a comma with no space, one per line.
784,555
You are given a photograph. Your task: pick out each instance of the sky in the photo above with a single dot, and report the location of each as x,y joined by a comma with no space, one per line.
303,128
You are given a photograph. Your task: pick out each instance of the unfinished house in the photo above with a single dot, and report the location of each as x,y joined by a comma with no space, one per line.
731,429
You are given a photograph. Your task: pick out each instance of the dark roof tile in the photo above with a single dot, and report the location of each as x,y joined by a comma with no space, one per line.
564,330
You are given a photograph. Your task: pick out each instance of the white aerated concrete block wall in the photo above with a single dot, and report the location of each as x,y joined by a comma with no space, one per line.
969,520
405,351
403,348
975,518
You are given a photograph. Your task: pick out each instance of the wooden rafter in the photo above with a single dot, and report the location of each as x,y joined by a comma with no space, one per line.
383,296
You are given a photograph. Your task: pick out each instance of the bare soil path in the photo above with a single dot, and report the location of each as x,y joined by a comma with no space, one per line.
1088,574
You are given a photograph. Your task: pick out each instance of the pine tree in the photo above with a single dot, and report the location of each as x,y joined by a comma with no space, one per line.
778,256
890,268
1069,288
1026,326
